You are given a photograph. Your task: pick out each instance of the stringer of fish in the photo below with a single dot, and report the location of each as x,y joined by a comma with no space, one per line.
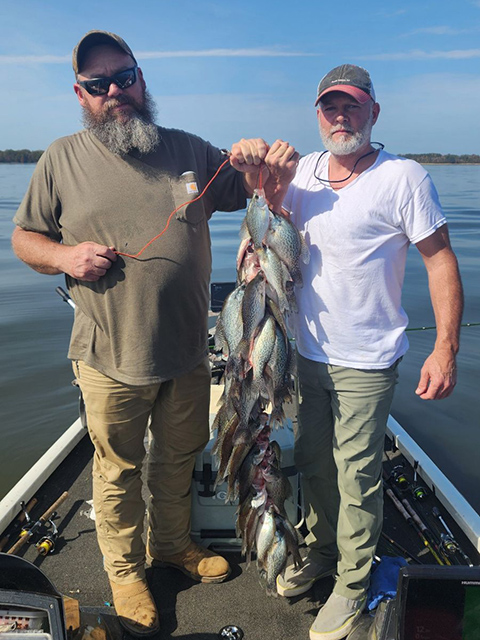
252,332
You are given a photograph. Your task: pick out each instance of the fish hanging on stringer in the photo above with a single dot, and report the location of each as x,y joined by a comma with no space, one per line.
252,333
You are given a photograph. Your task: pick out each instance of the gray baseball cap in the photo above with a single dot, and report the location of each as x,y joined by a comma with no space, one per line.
93,38
350,79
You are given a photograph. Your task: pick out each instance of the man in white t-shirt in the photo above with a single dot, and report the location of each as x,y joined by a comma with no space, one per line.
359,208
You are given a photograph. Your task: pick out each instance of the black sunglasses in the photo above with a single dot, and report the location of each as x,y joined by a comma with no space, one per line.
100,86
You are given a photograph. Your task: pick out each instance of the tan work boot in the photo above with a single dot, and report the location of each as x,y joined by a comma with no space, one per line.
135,608
197,562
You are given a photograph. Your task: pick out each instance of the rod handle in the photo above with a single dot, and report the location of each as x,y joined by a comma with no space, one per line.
46,516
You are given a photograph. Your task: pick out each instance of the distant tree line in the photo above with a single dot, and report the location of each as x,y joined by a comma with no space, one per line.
22,156
440,158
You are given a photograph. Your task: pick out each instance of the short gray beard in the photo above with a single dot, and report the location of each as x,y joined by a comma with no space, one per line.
139,132
351,144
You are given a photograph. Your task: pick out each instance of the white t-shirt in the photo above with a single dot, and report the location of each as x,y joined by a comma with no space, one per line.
349,309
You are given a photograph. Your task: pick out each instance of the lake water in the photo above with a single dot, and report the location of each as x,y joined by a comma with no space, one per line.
38,402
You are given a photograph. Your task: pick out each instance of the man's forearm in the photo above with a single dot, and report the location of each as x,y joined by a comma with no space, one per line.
38,251
87,261
446,293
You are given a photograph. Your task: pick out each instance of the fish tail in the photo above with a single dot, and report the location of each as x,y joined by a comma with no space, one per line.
277,417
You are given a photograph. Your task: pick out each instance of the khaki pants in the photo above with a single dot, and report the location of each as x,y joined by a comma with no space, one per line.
117,417
339,446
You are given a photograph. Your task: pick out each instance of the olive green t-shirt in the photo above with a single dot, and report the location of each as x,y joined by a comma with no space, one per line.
145,321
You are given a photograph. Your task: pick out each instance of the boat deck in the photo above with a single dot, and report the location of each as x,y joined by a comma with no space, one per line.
190,610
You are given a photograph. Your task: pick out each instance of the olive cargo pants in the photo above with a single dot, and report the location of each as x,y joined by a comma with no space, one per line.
339,448
177,413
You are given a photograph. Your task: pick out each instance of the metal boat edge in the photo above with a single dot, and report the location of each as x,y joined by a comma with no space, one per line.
27,486
457,506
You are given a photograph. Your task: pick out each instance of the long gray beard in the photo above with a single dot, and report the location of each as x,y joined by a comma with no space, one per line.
139,132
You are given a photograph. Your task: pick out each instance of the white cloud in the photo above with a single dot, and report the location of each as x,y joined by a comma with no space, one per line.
152,55
45,59
224,53
385,13
418,54
441,30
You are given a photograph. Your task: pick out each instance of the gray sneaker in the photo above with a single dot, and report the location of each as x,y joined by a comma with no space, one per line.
297,581
336,618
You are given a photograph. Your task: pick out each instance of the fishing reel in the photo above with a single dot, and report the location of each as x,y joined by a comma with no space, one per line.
399,478
419,492
448,544
46,544
28,521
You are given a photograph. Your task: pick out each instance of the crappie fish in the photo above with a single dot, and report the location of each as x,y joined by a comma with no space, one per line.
263,347
253,310
241,450
278,488
249,468
247,261
223,446
247,522
274,454
284,238
279,368
291,539
248,406
277,275
279,319
257,218
265,535
275,562
229,329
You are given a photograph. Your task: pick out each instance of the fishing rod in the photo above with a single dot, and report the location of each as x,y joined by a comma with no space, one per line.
33,527
22,516
450,539
420,524
448,545
397,547
408,518
466,324
65,297
413,522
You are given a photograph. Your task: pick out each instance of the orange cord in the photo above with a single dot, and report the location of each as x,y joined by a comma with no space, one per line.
260,178
137,255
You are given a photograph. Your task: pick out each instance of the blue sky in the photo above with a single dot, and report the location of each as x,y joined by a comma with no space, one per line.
226,70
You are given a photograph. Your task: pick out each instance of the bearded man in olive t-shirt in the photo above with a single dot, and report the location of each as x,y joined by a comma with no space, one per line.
138,343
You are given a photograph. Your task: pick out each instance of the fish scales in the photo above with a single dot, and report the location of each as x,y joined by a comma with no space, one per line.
263,347
276,275
231,329
257,218
285,239
275,562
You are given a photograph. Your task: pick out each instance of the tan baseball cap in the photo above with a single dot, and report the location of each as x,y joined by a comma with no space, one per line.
93,38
